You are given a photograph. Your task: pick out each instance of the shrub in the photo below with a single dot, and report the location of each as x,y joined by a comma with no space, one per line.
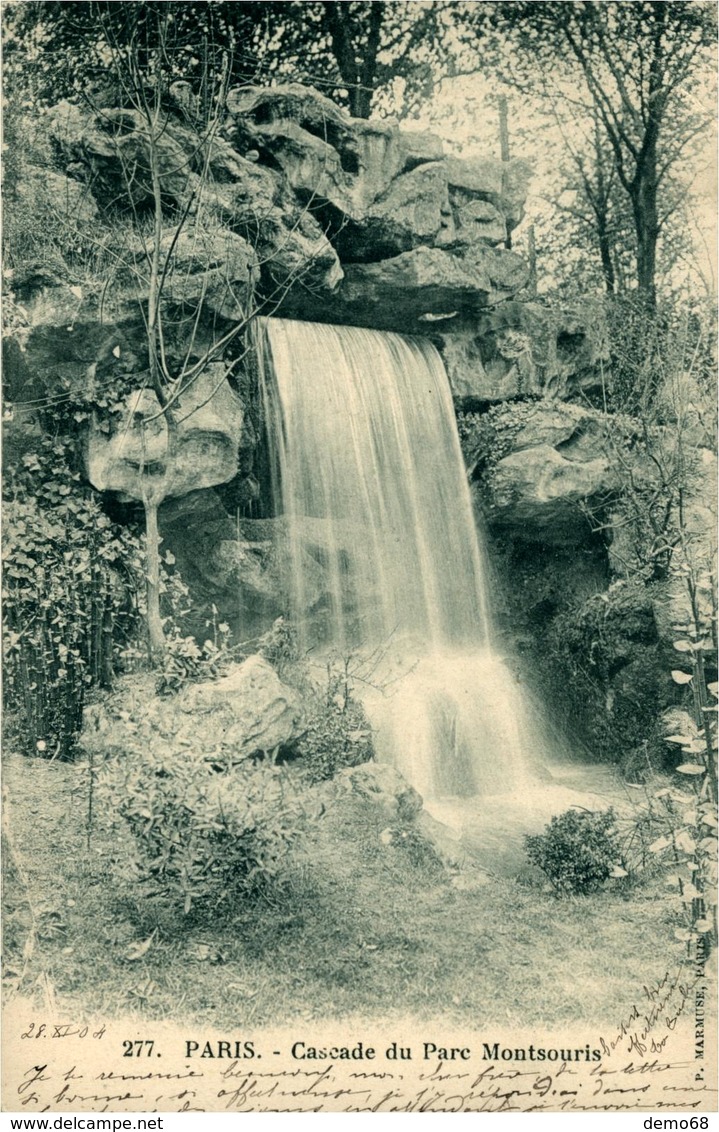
203,837
335,739
420,851
577,851
70,586
604,667
184,662
337,733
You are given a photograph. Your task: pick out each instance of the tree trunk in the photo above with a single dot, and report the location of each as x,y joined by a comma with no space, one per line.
504,145
360,102
605,252
646,222
155,632
358,76
647,235
532,257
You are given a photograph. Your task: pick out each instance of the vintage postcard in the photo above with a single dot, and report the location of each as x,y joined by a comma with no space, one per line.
359,558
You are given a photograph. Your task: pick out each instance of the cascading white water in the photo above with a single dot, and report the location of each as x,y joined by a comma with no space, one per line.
370,470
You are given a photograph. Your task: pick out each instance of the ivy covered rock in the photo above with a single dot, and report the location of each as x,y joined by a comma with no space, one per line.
538,466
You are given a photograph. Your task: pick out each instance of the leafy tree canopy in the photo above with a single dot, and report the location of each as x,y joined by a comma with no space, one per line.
633,70
350,50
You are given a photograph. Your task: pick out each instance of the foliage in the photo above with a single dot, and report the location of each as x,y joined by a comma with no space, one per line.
578,850
682,817
661,361
683,823
49,224
604,664
674,827
604,630
487,437
184,661
350,51
337,733
71,587
279,645
203,837
631,74
694,846
418,848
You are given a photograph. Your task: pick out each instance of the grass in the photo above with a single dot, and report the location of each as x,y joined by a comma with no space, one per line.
361,928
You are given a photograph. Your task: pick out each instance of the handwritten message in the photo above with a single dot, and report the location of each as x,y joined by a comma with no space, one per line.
651,1060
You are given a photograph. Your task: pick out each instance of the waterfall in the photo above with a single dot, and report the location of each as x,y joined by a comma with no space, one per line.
370,477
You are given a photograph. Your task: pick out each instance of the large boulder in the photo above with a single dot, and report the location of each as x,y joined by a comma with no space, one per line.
251,708
242,568
410,291
204,266
422,207
538,466
249,711
117,155
414,210
383,195
322,152
255,201
520,348
56,337
538,490
141,458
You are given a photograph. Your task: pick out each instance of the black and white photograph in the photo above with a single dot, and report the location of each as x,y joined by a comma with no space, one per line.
359,437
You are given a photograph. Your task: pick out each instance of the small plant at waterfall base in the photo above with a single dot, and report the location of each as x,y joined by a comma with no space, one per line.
578,850
419,849
337,733
279,645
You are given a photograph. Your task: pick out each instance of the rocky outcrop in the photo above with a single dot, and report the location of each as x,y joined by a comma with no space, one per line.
250,707
414,289
141,457
384,788
538,466
242,566
311,192
374,175
520,349
291,207
247,712
417,232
